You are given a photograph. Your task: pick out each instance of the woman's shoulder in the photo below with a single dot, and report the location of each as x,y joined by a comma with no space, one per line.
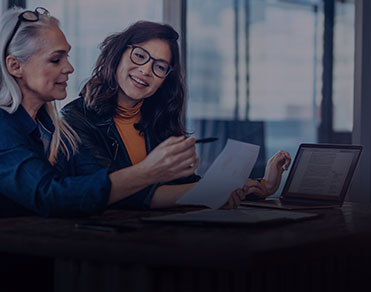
83,121
4,116
76,114
11,130
75,106
77,111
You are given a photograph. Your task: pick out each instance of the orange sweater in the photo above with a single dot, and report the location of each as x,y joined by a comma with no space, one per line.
134,143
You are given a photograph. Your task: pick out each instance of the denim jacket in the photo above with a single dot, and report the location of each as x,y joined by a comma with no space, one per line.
101,139
30,185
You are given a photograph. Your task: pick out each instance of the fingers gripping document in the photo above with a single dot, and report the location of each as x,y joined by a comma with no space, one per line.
229,171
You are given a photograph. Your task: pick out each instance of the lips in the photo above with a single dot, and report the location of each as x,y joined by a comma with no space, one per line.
138,80
63,83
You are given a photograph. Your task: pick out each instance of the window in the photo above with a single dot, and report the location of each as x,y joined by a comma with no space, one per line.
261,61
343,85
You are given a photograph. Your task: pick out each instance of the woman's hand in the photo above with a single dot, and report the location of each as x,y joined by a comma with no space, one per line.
173,158
238,195
277,164
234,200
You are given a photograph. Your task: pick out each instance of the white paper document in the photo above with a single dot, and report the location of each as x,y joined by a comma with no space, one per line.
229,171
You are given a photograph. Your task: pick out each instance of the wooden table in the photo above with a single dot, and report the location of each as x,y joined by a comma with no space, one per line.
329,253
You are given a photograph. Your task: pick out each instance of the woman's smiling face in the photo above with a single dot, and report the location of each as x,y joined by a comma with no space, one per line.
138,82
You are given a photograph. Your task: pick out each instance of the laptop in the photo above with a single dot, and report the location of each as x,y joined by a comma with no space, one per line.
320,177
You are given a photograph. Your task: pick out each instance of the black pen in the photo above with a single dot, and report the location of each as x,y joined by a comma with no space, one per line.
206,140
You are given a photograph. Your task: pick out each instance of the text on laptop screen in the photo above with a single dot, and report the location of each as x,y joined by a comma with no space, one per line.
322,171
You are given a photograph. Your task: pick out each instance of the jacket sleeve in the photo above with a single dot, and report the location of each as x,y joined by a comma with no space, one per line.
185,180
32,182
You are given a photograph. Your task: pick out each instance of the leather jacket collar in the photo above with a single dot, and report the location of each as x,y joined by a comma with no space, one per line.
108,128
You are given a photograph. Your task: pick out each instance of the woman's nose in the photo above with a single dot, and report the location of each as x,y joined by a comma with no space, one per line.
68,69
146,69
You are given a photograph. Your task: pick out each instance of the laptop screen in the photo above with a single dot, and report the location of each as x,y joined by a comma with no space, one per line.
322,171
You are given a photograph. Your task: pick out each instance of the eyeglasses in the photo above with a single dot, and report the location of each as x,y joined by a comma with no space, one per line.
29,16
140,56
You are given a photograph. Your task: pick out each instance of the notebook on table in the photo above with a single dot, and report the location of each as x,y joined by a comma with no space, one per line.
320,177
240,216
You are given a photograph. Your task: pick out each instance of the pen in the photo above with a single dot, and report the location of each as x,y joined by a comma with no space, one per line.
206,140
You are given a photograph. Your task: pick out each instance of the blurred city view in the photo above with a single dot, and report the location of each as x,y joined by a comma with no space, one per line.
262,61
279,69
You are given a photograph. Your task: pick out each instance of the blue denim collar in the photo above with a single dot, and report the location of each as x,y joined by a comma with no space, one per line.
45,119
26,123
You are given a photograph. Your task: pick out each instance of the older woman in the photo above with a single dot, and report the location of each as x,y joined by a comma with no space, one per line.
132,103
34,73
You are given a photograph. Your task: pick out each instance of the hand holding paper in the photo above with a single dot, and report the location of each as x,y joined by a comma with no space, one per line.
228,172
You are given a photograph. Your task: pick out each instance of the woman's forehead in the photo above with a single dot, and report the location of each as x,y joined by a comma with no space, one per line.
52,39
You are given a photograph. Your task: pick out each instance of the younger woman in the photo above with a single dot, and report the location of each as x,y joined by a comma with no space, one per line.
131,104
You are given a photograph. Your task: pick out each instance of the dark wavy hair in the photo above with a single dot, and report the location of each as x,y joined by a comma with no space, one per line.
161,112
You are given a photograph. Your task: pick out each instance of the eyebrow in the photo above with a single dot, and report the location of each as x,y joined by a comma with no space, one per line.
163,60
59,52
157,59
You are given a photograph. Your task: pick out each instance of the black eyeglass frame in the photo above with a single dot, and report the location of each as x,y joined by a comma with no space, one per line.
21,17
133,47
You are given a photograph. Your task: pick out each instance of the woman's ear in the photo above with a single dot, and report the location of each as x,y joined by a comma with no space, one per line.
14,66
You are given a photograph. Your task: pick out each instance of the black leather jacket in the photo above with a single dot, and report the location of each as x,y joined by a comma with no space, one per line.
101,147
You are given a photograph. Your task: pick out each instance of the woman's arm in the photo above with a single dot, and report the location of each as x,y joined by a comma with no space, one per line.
172,159
166,196
134,186
29,180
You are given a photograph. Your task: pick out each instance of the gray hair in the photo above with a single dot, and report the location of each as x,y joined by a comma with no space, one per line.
23,45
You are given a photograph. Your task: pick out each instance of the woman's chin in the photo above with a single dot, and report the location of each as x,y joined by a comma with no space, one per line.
129,101
59,97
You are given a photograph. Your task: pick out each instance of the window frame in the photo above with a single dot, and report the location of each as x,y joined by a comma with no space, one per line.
361,186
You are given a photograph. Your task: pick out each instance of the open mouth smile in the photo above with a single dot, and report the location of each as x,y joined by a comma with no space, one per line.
139,81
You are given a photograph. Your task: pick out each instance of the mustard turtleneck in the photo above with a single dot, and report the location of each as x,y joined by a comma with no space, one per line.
134,143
